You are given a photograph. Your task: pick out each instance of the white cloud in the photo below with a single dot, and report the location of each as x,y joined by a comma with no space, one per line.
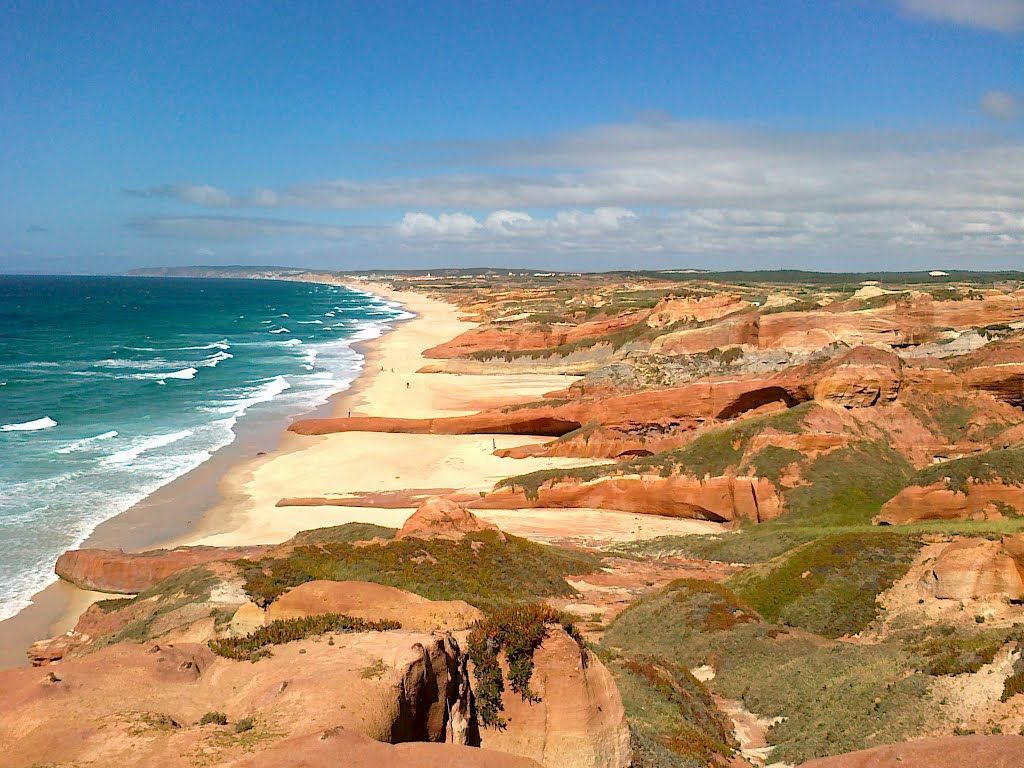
445,225
686,165
663,187
999,15
1000,105
197,194
232,228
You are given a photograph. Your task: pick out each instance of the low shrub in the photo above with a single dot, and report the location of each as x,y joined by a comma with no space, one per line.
218,718
518,631
253,647
481,569
829,586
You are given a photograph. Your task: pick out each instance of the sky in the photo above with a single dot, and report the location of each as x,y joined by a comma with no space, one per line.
727,134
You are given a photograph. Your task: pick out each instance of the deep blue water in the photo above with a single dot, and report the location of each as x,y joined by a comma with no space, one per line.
111,387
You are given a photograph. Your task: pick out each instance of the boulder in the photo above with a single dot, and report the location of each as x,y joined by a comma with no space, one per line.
862,378
971,569
440,518
934,752
579,721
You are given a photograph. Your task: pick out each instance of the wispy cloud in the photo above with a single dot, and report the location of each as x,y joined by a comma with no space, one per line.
663,187
198,194
1000,105
998,15
231,228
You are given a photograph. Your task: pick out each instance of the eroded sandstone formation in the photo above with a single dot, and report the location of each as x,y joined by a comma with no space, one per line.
936,752
117,572
578,721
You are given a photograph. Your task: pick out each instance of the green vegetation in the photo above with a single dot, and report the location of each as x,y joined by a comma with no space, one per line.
848,485
218,718
245,724
673,720
949,650
343,534
1014,684
771,460
517,631
1006,466
835,696
829,586
155,607
253,647
480,569
710,454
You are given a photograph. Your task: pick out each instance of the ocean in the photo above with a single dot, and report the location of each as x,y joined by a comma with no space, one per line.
111,387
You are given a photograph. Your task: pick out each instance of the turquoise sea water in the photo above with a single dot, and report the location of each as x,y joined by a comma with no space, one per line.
111,387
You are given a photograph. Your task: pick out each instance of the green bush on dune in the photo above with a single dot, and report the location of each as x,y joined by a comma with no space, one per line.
481,569
516,631
835,696
829,586
254,646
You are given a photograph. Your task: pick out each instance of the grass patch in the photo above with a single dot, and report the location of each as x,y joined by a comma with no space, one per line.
254,646
848,485
190,587
771,460
949,650
343,534
829,586
518,631
480,569
673,720
999,466
836,696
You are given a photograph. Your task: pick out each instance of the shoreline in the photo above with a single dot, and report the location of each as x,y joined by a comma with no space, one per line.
231,499
168,515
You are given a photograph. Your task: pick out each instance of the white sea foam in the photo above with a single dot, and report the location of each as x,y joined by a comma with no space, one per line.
279,330
30,426
222,344
85,442
213,360
128,455
146,462
184,373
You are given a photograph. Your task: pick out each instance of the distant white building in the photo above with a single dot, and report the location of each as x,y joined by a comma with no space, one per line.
938,273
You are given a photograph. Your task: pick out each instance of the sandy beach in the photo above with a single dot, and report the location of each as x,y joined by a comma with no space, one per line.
232,499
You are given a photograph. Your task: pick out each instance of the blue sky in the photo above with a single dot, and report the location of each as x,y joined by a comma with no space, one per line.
591,135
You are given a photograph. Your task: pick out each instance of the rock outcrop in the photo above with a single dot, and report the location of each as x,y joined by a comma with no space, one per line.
117,572
978,501
440,518
934,752
579,721
687,309
720,499
972,569
132,704
499,338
